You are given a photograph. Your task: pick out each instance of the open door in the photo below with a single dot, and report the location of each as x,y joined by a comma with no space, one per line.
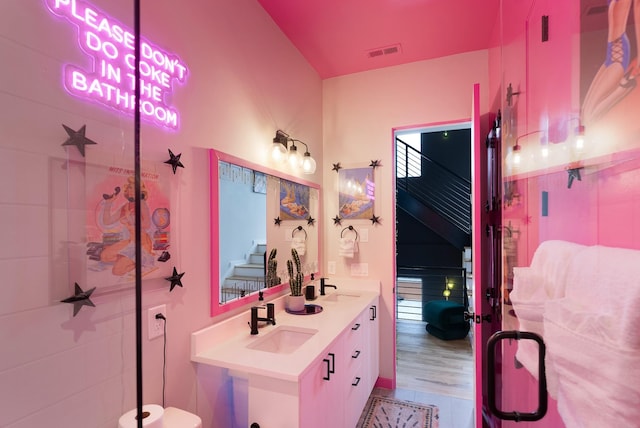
486,258
490,341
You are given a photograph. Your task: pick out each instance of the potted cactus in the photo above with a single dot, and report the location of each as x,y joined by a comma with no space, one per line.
272,267
295,301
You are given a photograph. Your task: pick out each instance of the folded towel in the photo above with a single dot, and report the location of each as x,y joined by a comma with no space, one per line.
348,247
529,298
550,261
299,244
533,288
592,342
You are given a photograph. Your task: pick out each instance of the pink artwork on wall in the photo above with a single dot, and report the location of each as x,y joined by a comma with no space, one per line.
110,80
110,226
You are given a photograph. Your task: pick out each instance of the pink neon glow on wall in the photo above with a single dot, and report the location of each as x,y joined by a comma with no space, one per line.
111,80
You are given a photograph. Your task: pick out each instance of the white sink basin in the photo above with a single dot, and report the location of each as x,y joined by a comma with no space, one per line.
283,339
339,296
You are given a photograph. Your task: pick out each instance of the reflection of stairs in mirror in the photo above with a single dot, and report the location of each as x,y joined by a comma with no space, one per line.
246,277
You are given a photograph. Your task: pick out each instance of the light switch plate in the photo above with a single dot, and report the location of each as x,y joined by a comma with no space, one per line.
331,267
364,235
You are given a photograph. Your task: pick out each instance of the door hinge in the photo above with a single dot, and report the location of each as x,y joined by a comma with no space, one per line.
477,318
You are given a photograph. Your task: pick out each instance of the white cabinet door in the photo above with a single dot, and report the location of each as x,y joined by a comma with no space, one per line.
355,386
321,399
373,342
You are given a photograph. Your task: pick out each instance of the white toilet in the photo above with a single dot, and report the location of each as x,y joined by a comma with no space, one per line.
177,418
171,418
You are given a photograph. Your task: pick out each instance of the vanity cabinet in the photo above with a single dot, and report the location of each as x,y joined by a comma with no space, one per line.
304,372
335,390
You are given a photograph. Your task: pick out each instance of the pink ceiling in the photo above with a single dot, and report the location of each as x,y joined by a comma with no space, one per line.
336,36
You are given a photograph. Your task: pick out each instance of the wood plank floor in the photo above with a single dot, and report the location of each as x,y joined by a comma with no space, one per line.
428,364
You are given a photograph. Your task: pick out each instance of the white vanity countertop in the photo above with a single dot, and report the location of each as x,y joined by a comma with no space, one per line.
218,346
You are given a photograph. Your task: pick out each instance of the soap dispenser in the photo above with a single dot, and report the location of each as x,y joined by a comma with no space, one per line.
310,290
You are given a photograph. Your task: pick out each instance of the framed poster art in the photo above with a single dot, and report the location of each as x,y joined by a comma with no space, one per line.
110,225
294,201
356,193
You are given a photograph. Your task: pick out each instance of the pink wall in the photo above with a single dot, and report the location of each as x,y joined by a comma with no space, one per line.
242,86
360,112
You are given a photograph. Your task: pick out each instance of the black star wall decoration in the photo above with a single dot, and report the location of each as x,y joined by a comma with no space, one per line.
77,138
79,299
174,161
337,221
336,167
277,221
375,163
175,279
311,221
375,219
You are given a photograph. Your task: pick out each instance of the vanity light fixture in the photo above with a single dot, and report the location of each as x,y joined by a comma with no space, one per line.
517,149
294,158
517,157
578,141
544,147
281,151
279,147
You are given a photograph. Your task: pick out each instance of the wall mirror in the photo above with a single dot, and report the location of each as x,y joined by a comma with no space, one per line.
254,210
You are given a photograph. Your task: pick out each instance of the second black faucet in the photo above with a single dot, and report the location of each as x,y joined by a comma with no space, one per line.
271,317
323,286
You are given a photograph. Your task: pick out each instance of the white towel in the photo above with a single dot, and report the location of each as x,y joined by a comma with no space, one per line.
348,247
592,339
533,288
299,243
528,298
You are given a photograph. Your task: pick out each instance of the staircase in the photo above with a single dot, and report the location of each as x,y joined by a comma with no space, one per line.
434,195
246,277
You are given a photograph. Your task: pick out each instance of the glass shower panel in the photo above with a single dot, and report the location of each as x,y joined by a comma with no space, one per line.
66,144
570,216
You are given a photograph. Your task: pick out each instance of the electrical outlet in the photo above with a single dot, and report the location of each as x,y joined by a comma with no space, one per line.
156,326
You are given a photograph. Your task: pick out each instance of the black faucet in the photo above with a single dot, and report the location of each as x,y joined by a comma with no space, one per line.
271,317
323,285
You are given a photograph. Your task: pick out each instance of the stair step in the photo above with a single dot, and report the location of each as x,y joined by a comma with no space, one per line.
256,258
249,269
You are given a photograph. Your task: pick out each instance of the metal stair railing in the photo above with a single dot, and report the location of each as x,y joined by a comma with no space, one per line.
434,185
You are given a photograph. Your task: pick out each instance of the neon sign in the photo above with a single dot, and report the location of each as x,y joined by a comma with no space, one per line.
111,81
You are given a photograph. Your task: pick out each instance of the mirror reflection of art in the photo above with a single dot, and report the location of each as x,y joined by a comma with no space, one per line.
294,201
356,194
260,182
111,225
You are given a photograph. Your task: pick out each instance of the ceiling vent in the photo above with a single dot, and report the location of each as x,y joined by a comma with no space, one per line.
387,50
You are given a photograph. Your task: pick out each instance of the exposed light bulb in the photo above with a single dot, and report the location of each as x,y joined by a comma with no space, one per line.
516,157
278,152
308,164
545,151
294,159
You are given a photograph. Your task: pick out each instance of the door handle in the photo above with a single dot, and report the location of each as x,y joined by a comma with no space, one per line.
491,374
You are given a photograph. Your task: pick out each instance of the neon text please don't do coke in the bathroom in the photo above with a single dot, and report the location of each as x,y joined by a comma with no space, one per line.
111,81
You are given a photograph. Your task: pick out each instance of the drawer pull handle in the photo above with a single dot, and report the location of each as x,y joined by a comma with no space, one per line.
328,376
356,326
356,382
356,355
